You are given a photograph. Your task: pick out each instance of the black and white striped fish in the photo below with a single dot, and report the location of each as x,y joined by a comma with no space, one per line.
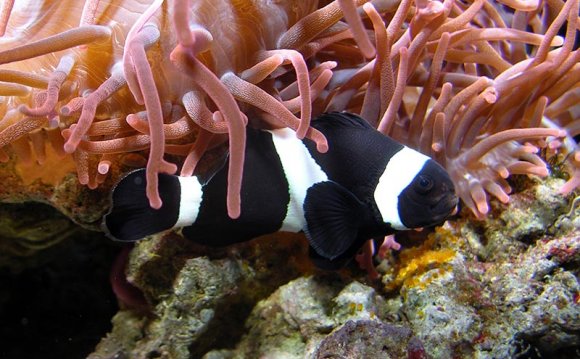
367,185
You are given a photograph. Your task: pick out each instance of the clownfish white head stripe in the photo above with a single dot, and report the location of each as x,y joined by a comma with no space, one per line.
366,185
400,171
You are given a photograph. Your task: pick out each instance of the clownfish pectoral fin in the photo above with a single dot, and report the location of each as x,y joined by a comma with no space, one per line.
328,264
131,217
333,218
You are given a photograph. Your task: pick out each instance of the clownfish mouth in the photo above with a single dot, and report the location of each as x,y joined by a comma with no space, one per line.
446,207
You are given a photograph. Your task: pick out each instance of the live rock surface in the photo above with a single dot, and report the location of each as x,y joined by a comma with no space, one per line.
503,287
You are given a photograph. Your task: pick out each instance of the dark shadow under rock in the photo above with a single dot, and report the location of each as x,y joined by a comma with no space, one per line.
57,302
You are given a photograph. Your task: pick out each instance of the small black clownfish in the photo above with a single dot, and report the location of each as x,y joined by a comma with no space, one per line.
367,185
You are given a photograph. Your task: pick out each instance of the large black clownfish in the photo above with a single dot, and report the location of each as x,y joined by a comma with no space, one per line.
367,185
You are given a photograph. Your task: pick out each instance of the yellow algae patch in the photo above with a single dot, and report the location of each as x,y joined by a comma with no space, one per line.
415,262
442,235
353,308
411,271
51,172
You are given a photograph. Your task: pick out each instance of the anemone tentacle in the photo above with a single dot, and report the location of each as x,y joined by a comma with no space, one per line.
449,78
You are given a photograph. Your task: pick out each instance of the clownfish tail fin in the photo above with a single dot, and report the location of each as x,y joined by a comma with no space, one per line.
131,217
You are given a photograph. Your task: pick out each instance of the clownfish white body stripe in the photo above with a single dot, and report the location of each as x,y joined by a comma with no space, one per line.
366,185
190,201
296,159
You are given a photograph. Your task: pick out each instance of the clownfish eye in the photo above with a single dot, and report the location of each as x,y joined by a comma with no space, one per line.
424,184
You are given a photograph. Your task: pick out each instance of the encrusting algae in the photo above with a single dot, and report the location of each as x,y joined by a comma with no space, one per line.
418,266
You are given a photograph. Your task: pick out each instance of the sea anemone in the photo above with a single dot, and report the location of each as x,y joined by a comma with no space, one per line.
467,82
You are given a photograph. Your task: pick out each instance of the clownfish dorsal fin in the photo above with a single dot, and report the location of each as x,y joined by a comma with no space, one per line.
333,218
342,120
210,164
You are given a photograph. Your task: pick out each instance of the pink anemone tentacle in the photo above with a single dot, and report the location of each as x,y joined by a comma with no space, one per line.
387,121
24,78
201,144
82,164
262,69
176,129
381,84
5,11
89,13
156,163
128,65
194,38
210,123
199,113
527,5
291,90
223,99
389,243
316,88
307,28
426,138
428,88
56,79
252,94
110,127
353,81
21,128
89,107
472,173
7,89
359,34
110,146
438,142
552,31
62,41
481,148
365,260
303,80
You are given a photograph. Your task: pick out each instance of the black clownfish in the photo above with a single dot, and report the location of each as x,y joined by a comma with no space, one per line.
367,185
